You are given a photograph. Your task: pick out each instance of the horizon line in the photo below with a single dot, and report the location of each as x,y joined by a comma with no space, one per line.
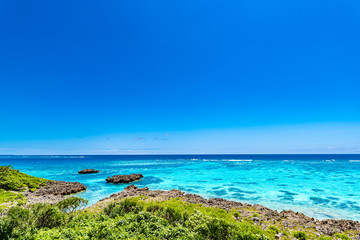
155,154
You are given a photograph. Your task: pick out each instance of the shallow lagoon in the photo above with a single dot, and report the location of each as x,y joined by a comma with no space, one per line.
321,186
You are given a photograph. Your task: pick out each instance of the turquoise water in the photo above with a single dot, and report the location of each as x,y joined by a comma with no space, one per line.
321,186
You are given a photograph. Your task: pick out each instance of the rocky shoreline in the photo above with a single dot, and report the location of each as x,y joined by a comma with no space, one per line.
53,192
259,214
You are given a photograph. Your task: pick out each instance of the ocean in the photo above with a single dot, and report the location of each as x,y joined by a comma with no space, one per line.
320,186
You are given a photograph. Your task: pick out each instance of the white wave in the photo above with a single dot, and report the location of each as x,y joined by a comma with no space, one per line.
59,156
139,164
354,160
330,160
238,160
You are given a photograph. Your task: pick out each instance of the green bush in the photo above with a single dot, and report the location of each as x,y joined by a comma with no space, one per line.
6,196
131,218
16,221
172,215
72,204
300,235
342,236
154,208
26,220
218,229
127,219
237,214
47,216
123,207
273,229
323,237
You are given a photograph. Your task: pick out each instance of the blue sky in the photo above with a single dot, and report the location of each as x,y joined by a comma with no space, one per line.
189,76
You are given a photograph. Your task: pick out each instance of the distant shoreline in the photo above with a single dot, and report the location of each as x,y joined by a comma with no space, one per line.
182,154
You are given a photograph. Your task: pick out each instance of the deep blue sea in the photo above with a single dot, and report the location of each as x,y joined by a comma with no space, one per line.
321,186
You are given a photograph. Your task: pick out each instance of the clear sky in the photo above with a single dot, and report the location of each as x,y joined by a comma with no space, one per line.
179,76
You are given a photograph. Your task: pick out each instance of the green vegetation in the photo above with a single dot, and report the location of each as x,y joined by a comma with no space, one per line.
7,198
72,204
342,236
11,179
132,218
323,237
300,235
273,229
25,222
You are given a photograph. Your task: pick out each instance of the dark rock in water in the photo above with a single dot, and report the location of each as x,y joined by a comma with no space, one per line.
124,178
86,171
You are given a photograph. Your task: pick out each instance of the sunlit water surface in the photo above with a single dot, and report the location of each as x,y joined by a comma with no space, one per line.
321,186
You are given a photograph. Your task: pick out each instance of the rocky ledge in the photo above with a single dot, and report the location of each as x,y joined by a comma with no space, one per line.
54,191
87,171
124,178
259,214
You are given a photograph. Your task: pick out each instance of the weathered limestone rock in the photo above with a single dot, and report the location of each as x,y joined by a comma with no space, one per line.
124,178
87,171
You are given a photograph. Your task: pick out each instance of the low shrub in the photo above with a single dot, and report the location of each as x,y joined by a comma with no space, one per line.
47,216
300,235
273,229
237,214
123,207
323,237
21,221
342,236
6,196
131,218
72,204
172,215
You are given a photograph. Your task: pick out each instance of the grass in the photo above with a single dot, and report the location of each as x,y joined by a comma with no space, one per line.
7,198
11,179
342,236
